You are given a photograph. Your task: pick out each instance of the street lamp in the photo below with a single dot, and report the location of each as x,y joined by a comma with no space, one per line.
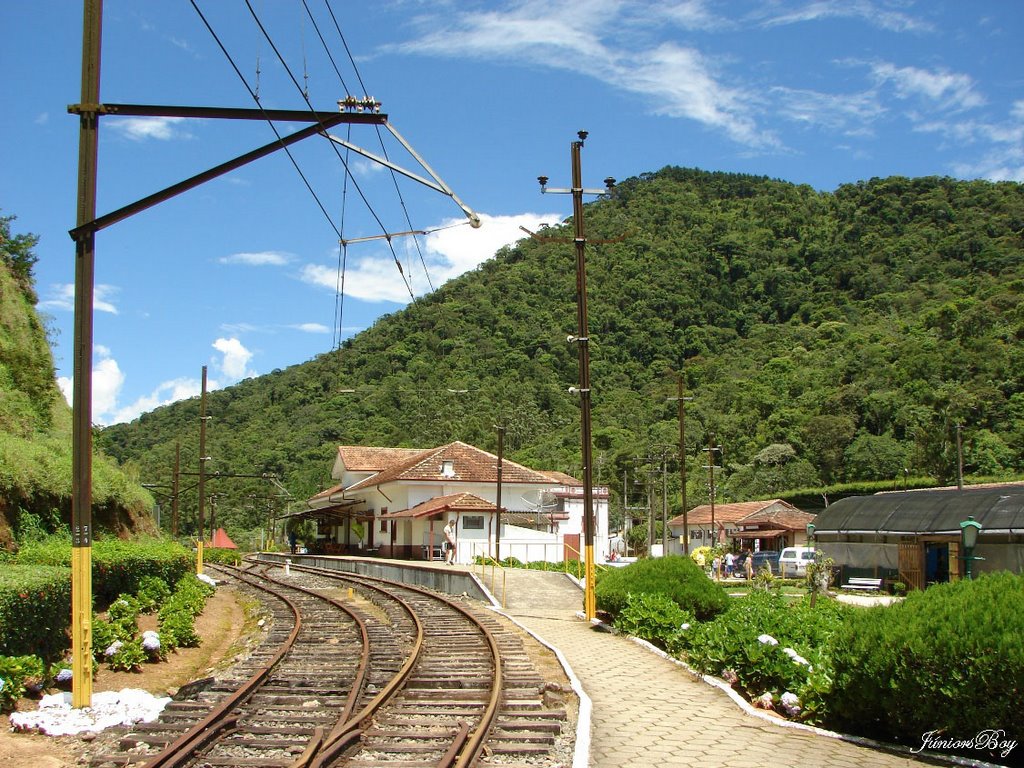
969,530
810,534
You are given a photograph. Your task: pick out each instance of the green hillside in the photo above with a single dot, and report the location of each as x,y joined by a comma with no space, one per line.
825,338
35,421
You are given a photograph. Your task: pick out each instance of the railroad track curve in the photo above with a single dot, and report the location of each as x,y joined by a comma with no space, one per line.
360,672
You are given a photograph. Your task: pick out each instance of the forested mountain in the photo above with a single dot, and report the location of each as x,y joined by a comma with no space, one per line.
824,338
35,421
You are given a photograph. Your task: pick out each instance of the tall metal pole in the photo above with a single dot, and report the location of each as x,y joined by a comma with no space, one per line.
81,448
175,488
711,471
959,460
682,467
202,473
497,503
664,504
579,238
582,340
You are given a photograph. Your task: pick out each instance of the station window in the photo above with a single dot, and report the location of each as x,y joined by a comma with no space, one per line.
473,523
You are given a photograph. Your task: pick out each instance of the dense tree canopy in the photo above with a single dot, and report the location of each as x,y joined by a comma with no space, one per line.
824,337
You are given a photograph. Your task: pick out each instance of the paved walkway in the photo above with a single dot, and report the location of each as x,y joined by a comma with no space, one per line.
649,711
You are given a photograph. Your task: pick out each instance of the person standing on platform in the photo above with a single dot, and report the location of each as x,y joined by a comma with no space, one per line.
449,541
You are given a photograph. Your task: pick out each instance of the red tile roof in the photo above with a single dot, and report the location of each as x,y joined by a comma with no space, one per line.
455,502
356,458
779,513
469,465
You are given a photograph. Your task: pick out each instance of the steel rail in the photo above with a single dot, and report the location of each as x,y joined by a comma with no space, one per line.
468,746
181,750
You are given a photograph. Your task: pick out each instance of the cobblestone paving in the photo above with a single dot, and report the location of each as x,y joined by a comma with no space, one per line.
648,711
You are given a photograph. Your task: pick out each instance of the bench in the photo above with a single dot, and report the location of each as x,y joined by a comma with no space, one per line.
867,585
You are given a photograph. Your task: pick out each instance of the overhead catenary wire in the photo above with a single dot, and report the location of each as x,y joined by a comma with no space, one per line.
337,152
380,137
270,122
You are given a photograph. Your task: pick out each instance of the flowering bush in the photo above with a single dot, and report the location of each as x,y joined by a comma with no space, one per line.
765,646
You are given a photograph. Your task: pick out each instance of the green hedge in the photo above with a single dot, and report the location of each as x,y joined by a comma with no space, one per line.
35,607
676,577
947,659
117,566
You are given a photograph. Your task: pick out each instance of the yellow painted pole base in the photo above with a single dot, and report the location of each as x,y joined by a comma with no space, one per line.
199,557
81,627
589,598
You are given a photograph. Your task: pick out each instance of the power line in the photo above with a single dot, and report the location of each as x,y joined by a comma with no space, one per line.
355,183
270,122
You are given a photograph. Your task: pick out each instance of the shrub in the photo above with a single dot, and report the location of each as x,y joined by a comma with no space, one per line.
129,656
765,644
124,613
655,618
35,603
948,658
220,556
177,616
675,577
117,566
153,592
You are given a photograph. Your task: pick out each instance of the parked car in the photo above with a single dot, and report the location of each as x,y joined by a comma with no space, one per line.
793,561
769,558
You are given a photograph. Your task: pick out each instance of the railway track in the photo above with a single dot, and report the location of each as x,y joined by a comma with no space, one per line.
361,672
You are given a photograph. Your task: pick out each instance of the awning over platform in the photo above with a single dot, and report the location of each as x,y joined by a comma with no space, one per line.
767,534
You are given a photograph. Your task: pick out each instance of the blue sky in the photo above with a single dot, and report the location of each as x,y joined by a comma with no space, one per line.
241,274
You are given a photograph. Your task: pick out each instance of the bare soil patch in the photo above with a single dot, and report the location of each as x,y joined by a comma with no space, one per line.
223,627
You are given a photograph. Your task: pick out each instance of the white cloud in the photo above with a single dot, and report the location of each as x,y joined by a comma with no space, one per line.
848,9
311,328
107,381
947,90
235,360
166,393
680,80
62,296
42,118
142,128
448,252
259,258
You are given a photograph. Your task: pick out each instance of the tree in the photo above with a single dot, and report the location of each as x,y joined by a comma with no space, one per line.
19,256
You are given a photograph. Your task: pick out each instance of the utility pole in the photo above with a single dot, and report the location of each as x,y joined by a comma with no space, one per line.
497,503
174,489
664,504
681,400
203,458
711,475
959,460
583,345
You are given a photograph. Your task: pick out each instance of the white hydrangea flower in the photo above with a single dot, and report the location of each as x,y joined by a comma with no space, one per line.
113,648
151,640
64,675
796,657
767,640
684,626
790,703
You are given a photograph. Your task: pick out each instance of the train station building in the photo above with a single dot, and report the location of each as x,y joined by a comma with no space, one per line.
395,503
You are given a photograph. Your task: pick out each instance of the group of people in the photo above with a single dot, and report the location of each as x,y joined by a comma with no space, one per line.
732,563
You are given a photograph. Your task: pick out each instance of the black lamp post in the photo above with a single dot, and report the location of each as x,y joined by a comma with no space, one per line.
969,530
814,579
